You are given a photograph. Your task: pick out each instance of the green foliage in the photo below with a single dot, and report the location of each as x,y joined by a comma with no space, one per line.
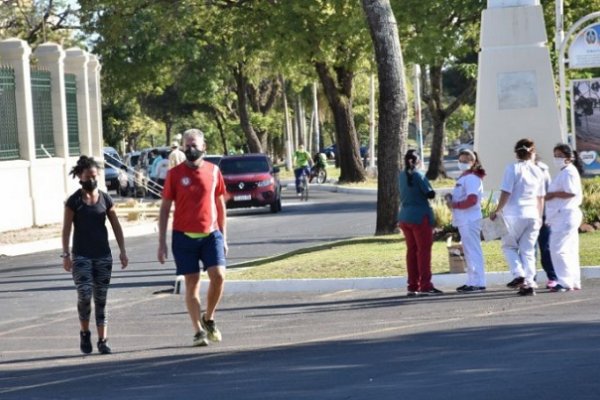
591,200
442,214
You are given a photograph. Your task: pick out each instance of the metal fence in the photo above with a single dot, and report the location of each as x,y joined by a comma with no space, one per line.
72,117
41,94
9,133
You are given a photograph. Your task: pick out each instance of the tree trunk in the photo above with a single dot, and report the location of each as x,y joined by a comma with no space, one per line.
340,102
434,104
393,109
254,143
168,130
218,117
439,117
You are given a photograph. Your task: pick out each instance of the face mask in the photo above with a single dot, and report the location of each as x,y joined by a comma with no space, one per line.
89,186
192,154
464,166
559,162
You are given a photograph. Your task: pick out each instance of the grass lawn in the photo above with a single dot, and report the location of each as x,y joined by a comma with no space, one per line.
376,257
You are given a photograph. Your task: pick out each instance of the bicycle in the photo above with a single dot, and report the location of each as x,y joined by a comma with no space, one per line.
319,173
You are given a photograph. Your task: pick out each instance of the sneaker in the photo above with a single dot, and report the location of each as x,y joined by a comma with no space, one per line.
558,288
516,283
211,329
200,339
103,347
526,291
431,292
85,342
474,289
550,284
462,288
412,293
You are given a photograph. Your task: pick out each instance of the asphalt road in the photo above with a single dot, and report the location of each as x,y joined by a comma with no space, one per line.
339,345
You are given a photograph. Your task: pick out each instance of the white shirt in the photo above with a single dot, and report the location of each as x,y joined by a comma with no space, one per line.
525,183
467,185
568,181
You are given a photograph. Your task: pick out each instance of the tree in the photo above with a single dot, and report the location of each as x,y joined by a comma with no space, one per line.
38,21
393,109
441,35
328,37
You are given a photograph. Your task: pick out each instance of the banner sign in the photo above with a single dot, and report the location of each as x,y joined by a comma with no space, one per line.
585,113
584,52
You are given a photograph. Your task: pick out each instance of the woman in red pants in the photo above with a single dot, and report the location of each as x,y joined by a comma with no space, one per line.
416,220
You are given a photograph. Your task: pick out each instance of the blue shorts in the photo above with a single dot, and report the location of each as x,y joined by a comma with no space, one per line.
189,252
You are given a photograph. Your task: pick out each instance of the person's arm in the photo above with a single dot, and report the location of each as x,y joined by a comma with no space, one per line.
504,196
469,202
559,195
222,219
163,221
66,236
118,230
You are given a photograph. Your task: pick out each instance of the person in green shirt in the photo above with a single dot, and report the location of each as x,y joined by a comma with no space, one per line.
302,164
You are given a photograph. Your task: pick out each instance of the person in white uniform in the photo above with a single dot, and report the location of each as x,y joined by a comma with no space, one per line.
521,204
564,217
465,202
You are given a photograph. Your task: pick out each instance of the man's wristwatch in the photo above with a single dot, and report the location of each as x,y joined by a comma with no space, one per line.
65,255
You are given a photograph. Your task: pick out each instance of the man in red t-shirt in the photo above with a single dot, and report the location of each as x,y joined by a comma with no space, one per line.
199,232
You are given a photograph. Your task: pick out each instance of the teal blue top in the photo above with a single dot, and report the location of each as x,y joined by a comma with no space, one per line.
414,204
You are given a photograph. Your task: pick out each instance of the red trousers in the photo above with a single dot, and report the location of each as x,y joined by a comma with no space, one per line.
419,239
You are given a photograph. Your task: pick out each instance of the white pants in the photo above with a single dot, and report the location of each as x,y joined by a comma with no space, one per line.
564,247
518,246
470,235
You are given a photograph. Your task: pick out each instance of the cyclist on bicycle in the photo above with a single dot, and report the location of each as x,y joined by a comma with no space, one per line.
319,164
302,164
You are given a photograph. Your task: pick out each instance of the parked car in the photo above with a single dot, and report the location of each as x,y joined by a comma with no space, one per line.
331,151
213,158
112,164
251,180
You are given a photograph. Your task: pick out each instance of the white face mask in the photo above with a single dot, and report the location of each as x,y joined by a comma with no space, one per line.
559,162
464,166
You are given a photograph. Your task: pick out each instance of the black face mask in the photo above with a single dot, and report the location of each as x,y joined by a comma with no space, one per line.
192,154
89,186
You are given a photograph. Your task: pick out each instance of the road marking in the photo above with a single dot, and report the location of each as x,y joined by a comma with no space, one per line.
239,349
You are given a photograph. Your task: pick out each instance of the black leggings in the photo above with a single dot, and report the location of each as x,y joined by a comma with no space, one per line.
92,278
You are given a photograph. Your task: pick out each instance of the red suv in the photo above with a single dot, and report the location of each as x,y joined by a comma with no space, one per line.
251,181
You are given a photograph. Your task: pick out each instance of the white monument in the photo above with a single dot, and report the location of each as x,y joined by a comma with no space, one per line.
515,86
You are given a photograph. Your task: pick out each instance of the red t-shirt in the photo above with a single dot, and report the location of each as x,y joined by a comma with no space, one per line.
194,191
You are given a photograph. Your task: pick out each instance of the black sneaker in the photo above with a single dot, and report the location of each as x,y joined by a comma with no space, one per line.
213,333
558,288
103,347
412,293
516,283
462,288
85,342
526,291
200,339
431,292
474,289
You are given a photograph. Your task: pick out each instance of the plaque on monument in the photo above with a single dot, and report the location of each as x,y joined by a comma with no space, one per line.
517,90
512,3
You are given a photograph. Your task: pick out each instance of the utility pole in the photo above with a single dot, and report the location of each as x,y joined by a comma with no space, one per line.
418,124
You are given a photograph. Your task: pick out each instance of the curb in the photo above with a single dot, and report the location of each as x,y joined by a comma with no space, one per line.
447,282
